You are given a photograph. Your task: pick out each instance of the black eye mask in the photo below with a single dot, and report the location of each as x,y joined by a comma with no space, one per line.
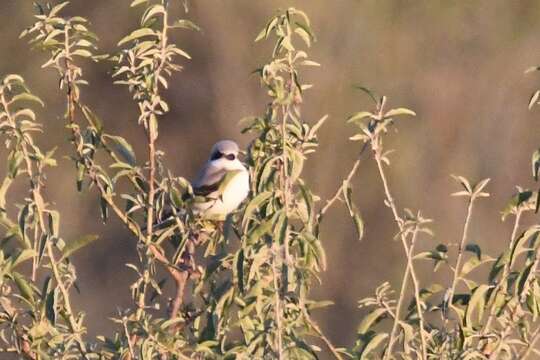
219,155
216,155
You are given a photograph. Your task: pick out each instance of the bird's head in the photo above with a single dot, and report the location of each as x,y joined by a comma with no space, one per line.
225,155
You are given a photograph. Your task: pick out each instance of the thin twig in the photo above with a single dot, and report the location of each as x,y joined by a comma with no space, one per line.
376,145
131,225
404,285
513,239
500,284
410,255
277,300
339,191
65,294
399,221
531,345
130,344
457,267
321,335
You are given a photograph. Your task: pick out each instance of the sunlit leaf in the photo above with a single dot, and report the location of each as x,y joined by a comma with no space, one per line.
372,345
123,148
27,97
534,99
24,287
475,308
77,244
137,34
185,24
399,111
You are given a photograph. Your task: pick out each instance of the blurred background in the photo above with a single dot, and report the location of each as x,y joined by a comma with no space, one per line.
459,65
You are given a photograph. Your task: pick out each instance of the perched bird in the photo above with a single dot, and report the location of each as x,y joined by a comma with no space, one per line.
222,184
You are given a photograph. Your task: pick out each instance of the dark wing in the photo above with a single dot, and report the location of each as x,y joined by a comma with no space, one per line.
206,190
208,181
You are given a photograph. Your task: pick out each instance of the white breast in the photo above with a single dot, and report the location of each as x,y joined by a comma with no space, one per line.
235,192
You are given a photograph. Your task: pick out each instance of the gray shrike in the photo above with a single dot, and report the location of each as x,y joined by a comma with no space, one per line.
223,182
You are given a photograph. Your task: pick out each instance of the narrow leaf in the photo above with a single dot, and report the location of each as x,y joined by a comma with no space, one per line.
77,244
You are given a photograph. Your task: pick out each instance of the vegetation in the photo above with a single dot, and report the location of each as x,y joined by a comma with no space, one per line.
243,285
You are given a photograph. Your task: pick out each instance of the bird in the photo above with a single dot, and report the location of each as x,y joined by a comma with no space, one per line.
219,188
222,184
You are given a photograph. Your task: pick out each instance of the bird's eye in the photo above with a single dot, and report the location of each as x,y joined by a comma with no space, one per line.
230,157
216,155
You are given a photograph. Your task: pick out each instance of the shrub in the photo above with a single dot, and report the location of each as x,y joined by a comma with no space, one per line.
249,276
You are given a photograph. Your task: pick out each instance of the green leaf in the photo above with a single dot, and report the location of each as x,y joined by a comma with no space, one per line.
123,148
479,187
534,99
28,113
269,27
92,118
476,306
22,257
23,214
520,199
523,281
312,305
357,117
266,176
297,164
262,229
426,293
305,35
181,52
281,228
474,248
27,97
520,245
473,263
40,329
24,287
309,63
104,209
353,211
370,93
375,342
41,246
139,33
55,10
464,182
51,307
535,162
261,35
408,335
13,78
532,69
398,112
239,269
369,320
500,263
77,244
6,183
185,24
138,2
82,53
255,204
151,12
439,255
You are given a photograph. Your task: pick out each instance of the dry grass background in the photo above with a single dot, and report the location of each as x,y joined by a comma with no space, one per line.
459,65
